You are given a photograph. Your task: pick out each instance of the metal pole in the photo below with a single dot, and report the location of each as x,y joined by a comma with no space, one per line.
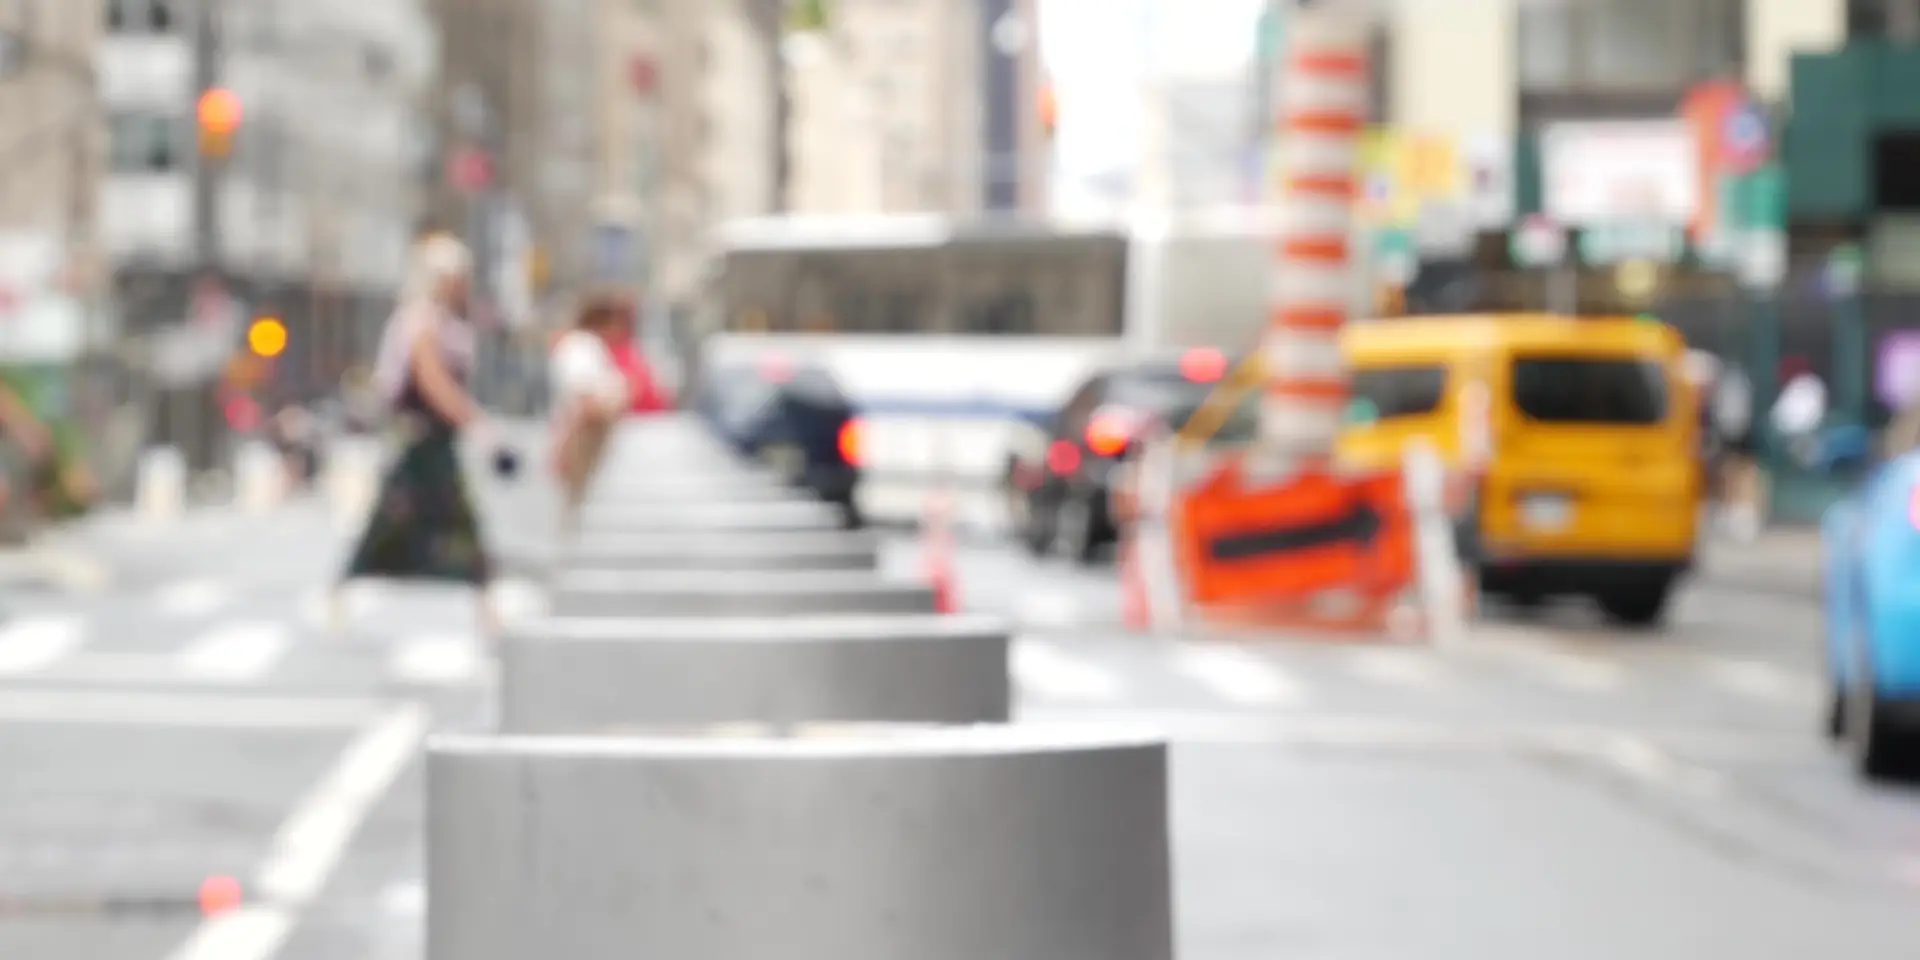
206,170
1850,359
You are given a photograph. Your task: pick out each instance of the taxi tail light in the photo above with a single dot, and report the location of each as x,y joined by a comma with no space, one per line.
1108,434
1063,458
849,441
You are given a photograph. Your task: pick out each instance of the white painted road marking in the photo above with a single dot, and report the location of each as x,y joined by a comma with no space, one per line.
1765,681
192,598
236,652
437,660
311,842
518,601
1047,609
1237,675
1050,672
1402,669
30,644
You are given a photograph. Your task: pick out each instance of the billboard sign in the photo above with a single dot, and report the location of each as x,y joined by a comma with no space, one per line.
1621,171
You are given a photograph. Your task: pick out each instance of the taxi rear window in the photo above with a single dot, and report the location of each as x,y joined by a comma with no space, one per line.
1592,390
1400,391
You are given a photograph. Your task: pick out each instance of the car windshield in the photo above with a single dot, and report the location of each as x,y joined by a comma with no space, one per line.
1590,390
1166,395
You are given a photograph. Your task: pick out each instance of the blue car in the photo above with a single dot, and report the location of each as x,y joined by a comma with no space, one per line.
792,417
1871,566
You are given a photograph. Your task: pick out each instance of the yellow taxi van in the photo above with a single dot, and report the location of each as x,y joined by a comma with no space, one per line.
1580,432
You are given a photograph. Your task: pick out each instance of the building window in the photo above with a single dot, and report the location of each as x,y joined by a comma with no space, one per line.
1877,19
147,142
140,16
1628,46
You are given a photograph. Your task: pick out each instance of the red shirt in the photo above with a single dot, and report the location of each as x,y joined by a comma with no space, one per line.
648,395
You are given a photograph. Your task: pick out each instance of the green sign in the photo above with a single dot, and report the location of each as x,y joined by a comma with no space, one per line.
1757,201
1617,243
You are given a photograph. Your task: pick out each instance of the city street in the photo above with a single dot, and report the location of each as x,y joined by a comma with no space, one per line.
1547,788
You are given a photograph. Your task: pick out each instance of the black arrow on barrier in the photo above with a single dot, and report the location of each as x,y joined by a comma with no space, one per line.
1357,526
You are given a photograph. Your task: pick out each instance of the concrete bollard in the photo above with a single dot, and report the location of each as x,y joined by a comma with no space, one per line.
606,593
708,518
160,483
771,550
259,477
353,466
590,676
956,843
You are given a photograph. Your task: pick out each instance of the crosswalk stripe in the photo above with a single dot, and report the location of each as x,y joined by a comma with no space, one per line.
30,644
1050,672
191,598
437,660
1237,676
1765,681
236,652
516,600
1401,669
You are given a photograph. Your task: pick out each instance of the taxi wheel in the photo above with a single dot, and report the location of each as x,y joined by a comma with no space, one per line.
1640,605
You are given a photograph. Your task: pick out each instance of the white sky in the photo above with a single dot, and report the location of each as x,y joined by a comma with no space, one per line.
1095,51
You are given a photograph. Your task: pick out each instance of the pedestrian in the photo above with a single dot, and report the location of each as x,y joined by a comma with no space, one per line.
590,393
423,526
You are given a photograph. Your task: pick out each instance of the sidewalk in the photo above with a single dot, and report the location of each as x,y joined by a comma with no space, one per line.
1781,561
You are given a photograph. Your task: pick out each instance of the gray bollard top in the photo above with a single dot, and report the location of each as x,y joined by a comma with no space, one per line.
880,741
877,627
728,582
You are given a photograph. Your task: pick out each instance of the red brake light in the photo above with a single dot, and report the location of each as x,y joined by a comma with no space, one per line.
776,369
850,445
1108,434
1203,365
1063,458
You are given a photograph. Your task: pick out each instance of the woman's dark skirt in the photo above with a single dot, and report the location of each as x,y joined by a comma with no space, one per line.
423,525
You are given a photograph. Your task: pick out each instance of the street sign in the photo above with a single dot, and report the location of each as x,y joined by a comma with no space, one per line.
1538,242
1746,143
469,170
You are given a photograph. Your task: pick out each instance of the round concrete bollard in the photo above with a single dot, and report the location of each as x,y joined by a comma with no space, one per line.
769,550
957,843
609,593
789,515
589,676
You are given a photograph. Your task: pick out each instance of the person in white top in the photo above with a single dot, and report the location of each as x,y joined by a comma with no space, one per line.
589,395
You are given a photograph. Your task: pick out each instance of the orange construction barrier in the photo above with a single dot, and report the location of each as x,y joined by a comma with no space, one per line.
1319,550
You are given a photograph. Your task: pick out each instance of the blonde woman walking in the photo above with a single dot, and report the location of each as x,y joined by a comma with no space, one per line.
423,526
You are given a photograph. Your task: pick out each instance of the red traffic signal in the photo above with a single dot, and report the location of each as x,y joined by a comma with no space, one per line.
220,111
219,114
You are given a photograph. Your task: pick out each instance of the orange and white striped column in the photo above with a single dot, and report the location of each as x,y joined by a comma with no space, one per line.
1322,92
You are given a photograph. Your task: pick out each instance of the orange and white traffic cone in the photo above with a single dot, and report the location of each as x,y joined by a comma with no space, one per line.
937,530
1136,608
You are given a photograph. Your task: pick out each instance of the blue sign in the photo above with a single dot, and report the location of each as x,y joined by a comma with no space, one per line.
613,253
1747,142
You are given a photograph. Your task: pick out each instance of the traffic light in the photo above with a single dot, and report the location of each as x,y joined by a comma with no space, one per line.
267,337
219,113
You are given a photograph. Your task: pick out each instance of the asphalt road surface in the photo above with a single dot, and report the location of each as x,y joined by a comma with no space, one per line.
1545,789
